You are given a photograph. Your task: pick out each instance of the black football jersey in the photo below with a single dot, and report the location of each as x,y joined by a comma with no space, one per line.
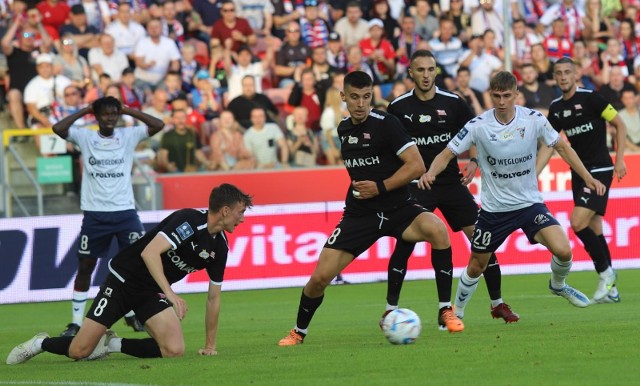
370,151
581,119
193,249
432,124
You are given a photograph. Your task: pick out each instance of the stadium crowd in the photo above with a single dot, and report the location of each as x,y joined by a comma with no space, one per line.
254,84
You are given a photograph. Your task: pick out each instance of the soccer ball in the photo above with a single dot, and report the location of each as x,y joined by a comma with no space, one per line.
402,326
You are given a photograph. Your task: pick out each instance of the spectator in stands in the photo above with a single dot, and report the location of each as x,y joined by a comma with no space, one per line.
556,44
630,44
227,146
155,55
204,97
54,13
380,55
194,118
99,90
172,83
480,62
126,32
98,13
405,45
189,66
245,66
473,97
485,18
461,20
42,92
131,95
331,116
85,36
21,66
47,37
302,142
596,25
70,64
630,115
352,28
306,94
259,14
447,48
322,70
537,95
209,13
612,91
356,62
612,57
292,57
521,42
105,59
180,148
570,13
315,30
336,55
285,12
231,27
382,11
425,22
266,142
242,105
543,64
171,26
158,106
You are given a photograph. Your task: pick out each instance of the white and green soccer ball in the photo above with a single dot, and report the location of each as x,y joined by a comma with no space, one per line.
402,326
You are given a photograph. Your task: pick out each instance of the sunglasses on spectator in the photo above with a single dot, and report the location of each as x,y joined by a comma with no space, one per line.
293,30
228,9
67,42
28,35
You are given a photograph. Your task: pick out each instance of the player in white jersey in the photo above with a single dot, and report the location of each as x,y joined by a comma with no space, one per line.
106,194
506,139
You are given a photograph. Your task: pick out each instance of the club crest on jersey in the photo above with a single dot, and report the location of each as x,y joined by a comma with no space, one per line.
521,130
366,136
184,230
425,118
441,113
566,113
352,140
578,106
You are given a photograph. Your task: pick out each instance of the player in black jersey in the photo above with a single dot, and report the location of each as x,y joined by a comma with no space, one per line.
433,117
381,160
583,115
141,275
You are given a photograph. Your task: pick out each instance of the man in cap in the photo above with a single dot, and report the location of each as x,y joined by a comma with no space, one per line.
314,29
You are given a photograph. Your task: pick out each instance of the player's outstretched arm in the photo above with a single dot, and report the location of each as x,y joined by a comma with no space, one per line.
62,127
211,320
437,166
154,124
570,157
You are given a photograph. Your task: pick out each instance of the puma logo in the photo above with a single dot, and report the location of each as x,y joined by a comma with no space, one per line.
448,273
585,199
409,117
400,271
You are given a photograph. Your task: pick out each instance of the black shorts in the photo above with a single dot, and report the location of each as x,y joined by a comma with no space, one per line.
454,201
585,197
355,234
99,228
493,228
115,299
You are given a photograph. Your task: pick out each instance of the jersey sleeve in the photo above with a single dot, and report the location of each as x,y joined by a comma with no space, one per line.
462,141
546,132
179,227
602,106
398,135
215,270
75,135
552,117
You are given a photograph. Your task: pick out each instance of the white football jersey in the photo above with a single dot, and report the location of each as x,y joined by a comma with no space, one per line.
107,163
507,156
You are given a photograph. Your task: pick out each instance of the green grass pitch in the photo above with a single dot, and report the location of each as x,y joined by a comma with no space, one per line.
554,343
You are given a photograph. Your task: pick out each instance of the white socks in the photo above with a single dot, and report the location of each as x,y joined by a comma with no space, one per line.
115,345
496,303
389,307
443,304
466,287
130,314
559,272
78,304
606,273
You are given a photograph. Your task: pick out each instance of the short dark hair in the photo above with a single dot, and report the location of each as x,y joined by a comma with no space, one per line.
358,79
101,103
503,81
227,195
565,60
422,54
463,69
